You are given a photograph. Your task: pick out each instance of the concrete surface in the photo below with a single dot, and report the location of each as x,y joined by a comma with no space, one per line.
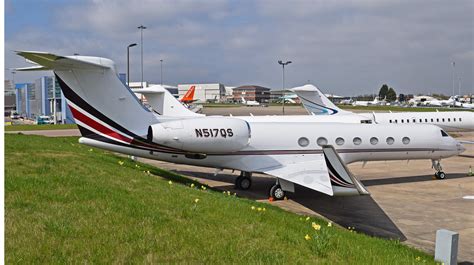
406,203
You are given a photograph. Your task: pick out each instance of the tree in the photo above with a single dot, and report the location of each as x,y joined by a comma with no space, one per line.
401,98
383,91
391,95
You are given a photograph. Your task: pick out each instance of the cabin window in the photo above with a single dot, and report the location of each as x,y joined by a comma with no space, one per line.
390,121
443,119
431,120
414,120
374,140
421,120
444,134
405,140
396,121
357,141
460,119
390,140
408,120
303,142
322,141
426,120
402,120
449,119
454,119
339,141
437,119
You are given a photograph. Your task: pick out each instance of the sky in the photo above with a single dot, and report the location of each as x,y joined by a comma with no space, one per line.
344,47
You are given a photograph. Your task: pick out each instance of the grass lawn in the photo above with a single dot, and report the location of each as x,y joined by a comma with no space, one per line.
69,203
40,127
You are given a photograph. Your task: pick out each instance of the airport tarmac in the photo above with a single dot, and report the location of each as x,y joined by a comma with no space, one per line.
406,203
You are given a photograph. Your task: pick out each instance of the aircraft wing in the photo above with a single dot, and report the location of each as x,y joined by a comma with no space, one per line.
312,174
324,172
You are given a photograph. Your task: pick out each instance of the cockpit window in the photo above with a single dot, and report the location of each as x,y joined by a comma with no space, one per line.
444,134
366,121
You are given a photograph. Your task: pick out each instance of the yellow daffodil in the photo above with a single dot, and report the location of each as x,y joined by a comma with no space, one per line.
259,209
307,237
307,218
253,207
196,200
90,150
192,185
228,193
418,258
170,182
316,226
203,187
329,224
120,163
235,194
263,209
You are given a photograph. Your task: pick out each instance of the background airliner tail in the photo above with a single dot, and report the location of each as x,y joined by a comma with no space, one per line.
100,103
315,102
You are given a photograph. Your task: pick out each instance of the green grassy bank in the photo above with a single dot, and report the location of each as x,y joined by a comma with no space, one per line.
69,203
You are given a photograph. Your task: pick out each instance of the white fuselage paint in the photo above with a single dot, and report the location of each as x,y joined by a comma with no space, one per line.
274,144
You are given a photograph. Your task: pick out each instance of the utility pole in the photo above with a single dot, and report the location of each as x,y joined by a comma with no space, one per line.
283,84
141,27
454,68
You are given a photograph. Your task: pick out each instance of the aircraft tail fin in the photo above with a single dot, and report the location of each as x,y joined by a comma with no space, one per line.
101,104
315,101
163,103
189,96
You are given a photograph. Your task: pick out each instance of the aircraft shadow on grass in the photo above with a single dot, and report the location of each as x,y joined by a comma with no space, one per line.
360,212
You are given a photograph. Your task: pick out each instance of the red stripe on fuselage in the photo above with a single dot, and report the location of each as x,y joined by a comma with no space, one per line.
97,126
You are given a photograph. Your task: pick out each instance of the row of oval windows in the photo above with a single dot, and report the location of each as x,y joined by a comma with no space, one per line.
426,120
303,141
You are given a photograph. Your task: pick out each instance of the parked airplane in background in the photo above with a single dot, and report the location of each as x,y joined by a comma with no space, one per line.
189,96
250,103
375,102
317,103
310,154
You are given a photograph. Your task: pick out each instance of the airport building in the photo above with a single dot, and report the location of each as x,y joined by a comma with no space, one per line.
252,93
9,98
42,98
204,92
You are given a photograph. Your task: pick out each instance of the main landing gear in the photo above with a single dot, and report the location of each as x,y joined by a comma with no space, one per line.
439,170
276,192
244,181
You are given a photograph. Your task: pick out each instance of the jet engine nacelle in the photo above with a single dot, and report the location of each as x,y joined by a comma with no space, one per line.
202,135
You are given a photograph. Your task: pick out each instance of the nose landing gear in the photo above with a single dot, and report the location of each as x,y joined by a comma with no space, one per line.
439,169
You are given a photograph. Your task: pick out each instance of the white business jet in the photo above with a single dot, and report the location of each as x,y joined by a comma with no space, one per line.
310,154
250,103
317,103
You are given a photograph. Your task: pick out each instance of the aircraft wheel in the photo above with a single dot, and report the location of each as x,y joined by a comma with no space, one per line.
243,182
440,175
277,193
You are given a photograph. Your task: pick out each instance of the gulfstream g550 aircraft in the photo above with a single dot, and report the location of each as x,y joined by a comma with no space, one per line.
313,155
316,103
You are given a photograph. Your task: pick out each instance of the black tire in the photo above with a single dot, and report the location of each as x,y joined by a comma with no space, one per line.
243,183
277,193
440,175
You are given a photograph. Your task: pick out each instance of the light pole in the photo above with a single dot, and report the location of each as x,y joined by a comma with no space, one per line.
161,69
128,62
141,27
283,86
454,68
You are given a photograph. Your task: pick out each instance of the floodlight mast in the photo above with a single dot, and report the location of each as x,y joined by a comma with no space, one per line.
128,62
283,85
141,27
